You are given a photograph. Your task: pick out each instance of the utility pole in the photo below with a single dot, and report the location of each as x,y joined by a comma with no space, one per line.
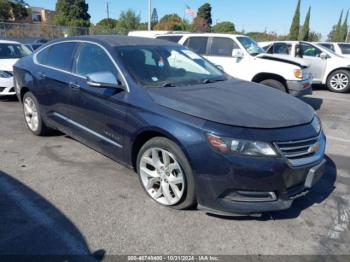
149,14
107,10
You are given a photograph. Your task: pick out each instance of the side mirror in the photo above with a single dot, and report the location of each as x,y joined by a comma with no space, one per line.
237,53
323,56
220,67
103,80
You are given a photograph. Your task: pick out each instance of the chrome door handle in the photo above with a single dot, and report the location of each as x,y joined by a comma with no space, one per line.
74,86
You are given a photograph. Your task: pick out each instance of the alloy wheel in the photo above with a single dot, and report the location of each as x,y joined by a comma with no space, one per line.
31,113
162,176
339,81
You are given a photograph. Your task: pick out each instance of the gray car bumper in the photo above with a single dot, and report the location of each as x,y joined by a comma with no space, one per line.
300,87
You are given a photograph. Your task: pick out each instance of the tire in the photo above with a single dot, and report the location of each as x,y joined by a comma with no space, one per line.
274,84
168,179
339,81
32,115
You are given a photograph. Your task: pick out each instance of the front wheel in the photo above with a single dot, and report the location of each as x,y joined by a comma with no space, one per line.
165,173
339,81
274,84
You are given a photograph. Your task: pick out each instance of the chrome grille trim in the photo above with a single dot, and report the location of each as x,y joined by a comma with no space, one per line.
302,152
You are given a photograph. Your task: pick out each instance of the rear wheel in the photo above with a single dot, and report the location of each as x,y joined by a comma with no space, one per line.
274,84
339,81
165,173
32,115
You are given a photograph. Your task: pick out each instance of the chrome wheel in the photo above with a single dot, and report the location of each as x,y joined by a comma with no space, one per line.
31,114
339,81
161,175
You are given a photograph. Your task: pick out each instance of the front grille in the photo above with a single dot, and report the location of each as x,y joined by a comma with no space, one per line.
302,152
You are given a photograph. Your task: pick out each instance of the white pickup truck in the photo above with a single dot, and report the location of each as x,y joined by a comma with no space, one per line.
241,57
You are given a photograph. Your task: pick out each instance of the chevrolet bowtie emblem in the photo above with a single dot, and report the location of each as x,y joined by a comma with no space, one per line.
314,148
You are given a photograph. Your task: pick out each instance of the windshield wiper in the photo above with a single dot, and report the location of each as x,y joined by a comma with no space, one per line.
168,84
208,81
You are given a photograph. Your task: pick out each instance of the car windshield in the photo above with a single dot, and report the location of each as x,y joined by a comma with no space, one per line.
13,51
251,46
164,66
345,49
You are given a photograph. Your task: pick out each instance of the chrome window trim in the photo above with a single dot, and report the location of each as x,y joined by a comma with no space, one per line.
35,60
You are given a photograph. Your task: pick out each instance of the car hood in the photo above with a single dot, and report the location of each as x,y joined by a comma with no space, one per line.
285,59
236,103
7,64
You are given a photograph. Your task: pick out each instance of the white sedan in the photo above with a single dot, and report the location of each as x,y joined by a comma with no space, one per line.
10,52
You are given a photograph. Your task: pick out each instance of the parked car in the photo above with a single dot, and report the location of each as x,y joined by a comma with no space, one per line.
192,133
342,49
10,52
33,46
241,57
326,66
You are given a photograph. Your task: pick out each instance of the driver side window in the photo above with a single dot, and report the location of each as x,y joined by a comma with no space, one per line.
93,59
309,50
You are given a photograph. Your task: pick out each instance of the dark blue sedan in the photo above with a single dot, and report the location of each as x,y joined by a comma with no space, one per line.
193,134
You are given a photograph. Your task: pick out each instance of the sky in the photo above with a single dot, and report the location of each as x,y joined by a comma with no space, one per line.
250,15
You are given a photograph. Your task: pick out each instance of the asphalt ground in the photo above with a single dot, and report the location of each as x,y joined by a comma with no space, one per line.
58,196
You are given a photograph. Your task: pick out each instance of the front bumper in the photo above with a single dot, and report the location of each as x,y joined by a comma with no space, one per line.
7,87
250,185
300,87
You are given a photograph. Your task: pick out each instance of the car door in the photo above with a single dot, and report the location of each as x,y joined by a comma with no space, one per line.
53,74
220,53
312,55
98,112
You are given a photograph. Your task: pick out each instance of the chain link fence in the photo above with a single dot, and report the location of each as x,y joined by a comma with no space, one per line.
30,32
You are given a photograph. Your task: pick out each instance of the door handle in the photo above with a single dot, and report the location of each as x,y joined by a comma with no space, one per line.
74,86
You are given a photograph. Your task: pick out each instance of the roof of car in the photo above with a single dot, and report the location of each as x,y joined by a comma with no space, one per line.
115,40
8,42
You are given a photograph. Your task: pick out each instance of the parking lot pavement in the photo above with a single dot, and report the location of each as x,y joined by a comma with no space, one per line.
59,196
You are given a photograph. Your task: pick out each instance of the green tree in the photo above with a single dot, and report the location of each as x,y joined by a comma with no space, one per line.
154,17
331,35
107,23
224,27
338,29
13,10
304,34
314,36
294,28
170,22
72,13
128,20
5,10
345,28
203,21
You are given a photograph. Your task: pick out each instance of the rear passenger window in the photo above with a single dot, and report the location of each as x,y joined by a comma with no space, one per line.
282,48
197,44
42,56
93,59
60,56
222,46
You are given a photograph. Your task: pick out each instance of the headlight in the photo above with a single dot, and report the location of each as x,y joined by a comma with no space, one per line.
240,146
316,124
298,73
5,74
